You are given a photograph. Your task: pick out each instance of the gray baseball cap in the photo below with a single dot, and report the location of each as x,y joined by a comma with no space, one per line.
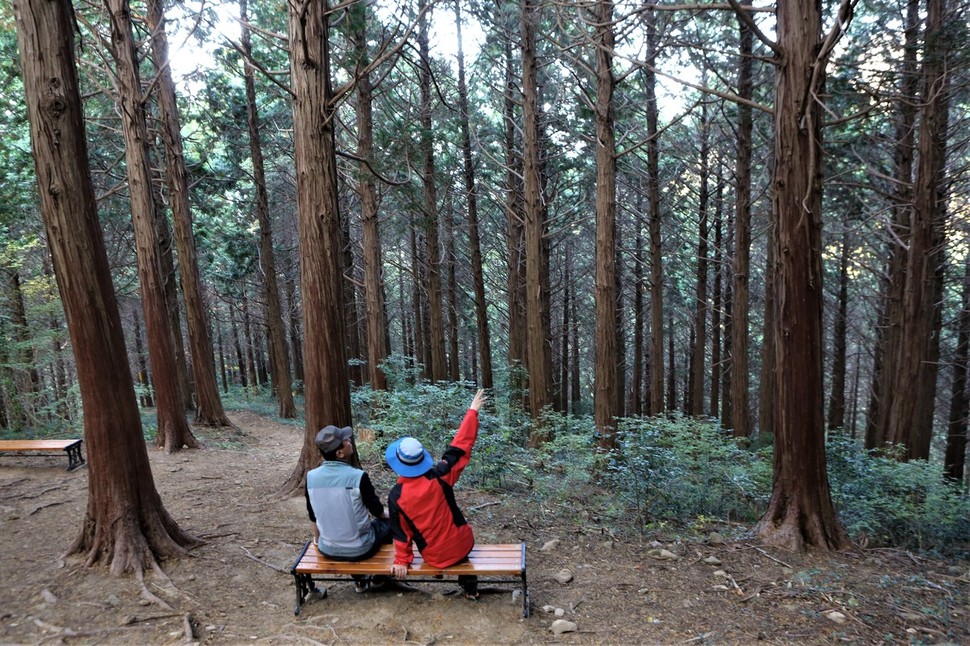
331,438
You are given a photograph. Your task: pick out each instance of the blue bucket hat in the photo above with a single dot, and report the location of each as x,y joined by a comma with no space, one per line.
408,457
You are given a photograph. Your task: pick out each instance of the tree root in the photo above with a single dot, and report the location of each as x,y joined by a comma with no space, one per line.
50,504
147,594
187,627
33,494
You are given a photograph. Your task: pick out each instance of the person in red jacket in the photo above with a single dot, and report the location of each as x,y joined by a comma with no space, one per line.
422,504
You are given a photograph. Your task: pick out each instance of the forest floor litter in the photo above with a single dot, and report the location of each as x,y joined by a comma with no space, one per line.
588,584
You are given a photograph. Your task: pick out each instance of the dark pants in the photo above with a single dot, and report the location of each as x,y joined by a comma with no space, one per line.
382,536
468,582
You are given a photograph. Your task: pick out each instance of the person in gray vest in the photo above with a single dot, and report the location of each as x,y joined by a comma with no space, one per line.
341,502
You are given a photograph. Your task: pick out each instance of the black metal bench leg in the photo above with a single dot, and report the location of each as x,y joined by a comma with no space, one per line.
74,457
301,591
525,597
305,586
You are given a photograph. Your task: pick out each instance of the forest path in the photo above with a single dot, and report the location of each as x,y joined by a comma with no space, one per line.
238,589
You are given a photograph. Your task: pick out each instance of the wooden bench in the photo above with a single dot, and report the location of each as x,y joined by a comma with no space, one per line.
501,563
71,447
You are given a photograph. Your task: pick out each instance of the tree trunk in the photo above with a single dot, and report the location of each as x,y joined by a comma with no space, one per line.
222,360
575,387
768,381
698,357
606,353
955,457
418,307
293,311
433,253
639,326
536,249
567,291
327,381
170,292
454,372
619,327
653,198
279,355
909,415
351,316
716,296
837,398
800,513
249,351
125,525
672,366
471,198
26,380
889,326
144,377
237,345
741,421
173,428
515,218
727,404
209,411
61,388
374,304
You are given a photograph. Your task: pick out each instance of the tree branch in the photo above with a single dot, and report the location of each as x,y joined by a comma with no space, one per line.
744,16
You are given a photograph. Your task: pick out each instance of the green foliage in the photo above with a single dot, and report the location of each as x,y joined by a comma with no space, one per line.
680,469
893,503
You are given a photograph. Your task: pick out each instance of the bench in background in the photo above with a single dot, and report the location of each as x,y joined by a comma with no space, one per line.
72,447
502,563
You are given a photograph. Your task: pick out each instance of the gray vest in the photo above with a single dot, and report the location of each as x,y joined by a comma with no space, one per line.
343,520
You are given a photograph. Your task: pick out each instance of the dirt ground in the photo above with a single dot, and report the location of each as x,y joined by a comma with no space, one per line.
237,589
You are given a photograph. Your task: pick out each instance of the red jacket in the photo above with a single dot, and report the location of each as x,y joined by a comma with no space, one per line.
423,509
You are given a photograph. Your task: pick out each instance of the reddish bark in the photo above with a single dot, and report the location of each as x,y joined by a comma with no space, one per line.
125,524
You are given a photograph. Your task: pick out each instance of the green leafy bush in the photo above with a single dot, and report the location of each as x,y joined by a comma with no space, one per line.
680,469
886,502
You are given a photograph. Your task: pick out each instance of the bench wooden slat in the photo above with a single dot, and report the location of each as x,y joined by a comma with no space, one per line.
499,560
36,445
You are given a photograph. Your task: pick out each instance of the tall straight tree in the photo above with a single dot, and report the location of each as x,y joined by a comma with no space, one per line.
471,199
126,525
515,235
716,303
209,411
374,304
656,364
327,381
741,419
606,352
955,456
836,416
536,249
279,356
173,428
439,369
889,329
800,513
695,399
910,417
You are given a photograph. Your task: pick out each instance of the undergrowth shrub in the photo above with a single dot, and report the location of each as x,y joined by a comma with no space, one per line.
680,469
566,468
884,502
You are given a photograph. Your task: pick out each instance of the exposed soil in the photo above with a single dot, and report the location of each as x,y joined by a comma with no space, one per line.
238,588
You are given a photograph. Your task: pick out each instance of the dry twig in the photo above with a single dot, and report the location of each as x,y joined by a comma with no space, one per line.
262,562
